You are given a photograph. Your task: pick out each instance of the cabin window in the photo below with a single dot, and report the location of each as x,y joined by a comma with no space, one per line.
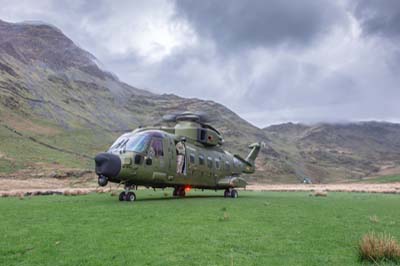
156,147
201,159
216,163
209,162
192,158
201,135
227,165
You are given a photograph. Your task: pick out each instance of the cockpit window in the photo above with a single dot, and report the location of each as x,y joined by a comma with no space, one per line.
138,143
120,142
135,143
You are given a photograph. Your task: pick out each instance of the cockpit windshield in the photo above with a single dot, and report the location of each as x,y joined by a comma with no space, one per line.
135,143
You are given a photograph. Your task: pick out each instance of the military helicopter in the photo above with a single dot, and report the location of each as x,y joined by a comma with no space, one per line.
187,155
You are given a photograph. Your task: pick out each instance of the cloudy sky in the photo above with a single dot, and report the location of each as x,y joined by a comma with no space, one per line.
271,61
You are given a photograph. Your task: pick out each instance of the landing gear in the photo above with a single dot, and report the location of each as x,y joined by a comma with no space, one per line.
103,180
227,193
231,193
179,192
127,195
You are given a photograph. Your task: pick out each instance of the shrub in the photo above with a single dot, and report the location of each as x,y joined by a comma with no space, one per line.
379,247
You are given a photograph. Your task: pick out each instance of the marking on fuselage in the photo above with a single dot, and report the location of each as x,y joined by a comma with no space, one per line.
159,175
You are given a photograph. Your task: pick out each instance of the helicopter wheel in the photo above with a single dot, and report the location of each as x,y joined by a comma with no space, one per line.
179,192
122,196
227,193
102,180
130,196
234,193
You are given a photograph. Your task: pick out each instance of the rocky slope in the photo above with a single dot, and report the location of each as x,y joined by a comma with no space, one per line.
50,89
327,152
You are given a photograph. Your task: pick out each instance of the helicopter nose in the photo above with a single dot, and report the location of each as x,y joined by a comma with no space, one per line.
107,164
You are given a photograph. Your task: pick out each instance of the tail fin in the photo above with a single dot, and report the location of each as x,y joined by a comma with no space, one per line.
249,163
255,149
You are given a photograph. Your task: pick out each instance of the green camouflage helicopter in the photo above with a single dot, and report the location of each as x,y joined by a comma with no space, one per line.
188,155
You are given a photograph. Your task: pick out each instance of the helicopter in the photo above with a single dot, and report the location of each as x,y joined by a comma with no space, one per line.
185,156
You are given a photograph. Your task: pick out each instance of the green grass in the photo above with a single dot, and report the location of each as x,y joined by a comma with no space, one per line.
385,179
259,228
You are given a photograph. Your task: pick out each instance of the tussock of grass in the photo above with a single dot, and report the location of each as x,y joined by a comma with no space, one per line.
225,217
379,247
319,194
374,219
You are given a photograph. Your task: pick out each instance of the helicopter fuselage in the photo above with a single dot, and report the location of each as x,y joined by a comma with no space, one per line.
190,155
156,165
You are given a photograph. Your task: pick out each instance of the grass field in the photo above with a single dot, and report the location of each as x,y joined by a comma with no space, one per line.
385,179
259,228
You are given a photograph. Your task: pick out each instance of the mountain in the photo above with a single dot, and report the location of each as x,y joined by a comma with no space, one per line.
58,108
339,152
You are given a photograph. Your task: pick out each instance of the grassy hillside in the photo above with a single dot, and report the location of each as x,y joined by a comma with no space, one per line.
203,229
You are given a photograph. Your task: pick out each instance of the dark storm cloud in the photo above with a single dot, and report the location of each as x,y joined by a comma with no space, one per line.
269,60
379,17
259,22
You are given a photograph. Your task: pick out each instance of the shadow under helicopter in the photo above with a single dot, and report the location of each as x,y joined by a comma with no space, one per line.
187,197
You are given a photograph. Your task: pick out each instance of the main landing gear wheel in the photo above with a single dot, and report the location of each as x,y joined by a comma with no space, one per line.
234,194
231,193
227,193
179,192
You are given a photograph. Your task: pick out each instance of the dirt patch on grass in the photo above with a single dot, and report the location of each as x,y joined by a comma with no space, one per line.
387,170
393,188
89,181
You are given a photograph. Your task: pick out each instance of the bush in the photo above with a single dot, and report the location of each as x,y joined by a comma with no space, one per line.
374,247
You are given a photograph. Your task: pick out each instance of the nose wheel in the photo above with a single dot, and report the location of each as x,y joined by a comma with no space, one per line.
127,195
103,180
